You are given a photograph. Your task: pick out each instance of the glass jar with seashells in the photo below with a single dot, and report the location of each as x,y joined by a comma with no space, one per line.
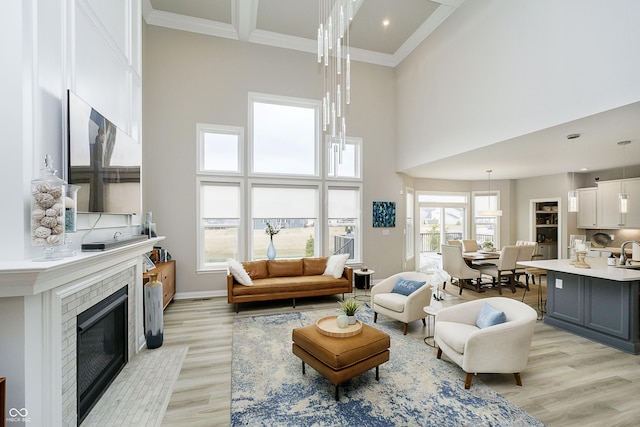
47,210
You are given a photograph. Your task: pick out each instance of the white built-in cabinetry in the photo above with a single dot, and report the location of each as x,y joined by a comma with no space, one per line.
587,207
608,214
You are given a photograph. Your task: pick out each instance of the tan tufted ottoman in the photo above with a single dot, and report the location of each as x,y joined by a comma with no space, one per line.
340,359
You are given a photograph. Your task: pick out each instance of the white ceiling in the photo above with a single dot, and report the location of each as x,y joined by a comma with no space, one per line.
292,24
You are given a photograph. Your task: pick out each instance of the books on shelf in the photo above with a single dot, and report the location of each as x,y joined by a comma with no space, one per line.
159,254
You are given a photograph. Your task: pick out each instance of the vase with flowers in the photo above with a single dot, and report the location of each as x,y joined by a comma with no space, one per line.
271,231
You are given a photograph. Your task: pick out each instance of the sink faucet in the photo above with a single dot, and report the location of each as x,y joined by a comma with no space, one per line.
623,256
116,235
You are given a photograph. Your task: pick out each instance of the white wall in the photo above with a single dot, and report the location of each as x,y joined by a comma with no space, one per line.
192,78
497,69
47,46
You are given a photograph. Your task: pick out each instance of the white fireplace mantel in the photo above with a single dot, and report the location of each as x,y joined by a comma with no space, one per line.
28,277
33,350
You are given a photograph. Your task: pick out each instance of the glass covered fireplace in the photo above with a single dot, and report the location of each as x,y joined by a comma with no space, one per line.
102,348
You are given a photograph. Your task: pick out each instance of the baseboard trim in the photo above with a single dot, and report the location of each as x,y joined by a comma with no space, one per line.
199,295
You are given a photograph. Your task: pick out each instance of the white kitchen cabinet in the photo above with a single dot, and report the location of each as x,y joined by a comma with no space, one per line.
608,215
587,207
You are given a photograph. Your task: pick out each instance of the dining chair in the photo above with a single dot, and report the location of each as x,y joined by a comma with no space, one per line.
469,246
454,242
526,252
504,268
454,264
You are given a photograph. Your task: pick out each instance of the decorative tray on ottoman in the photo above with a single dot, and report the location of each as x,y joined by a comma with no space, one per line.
329,327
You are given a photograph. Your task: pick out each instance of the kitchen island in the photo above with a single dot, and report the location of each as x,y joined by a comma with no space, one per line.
601,303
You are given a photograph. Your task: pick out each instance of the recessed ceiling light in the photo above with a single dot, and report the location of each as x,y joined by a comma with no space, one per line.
385,23
573,136
584,169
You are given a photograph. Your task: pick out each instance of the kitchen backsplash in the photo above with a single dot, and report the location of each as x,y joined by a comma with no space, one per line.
617,236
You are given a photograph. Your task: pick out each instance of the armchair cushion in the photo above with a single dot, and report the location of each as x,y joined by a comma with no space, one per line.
456,334
406,287
490,316
391,301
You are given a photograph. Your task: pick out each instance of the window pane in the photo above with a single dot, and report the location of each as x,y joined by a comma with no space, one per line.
219,223
295,239
220,151
284,202
486,227
344,221
442,198
284,139
409,245
350,160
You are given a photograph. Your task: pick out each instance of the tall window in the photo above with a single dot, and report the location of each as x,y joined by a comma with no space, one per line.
218,235
344,221
409,237
443,217
486,228
283,179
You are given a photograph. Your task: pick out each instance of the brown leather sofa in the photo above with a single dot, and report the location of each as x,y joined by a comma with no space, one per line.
283,279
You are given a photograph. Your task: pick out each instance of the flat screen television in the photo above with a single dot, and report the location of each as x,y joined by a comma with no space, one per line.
103,160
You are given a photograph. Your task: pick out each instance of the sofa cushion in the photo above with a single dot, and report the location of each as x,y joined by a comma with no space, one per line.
454,334
314,266
335,265
490,316
239,273
406,286
391,301
284,267
256,269
284,285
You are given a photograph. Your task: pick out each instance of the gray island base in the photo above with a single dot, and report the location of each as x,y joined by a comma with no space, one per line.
600,303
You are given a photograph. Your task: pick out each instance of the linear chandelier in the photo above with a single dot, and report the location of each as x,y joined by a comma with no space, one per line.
335,16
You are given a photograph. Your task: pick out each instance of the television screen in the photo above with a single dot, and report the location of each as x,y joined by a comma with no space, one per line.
103,160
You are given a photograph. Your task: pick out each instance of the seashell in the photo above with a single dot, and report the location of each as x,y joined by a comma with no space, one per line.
53,239
38,241
61,220
56,192
58,207
58,229
43,187
42,232
51,212
49,221
45,200
37,214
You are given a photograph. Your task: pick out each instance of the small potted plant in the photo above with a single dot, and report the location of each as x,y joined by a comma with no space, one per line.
488,246
350,307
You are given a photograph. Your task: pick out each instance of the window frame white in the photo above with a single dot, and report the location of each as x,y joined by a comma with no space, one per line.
481,194
316,105
410,238
201,130
357,144
357,247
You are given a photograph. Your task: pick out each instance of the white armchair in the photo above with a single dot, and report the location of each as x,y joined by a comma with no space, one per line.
503,348
400,307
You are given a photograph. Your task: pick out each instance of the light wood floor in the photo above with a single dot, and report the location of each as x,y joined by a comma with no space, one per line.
569,381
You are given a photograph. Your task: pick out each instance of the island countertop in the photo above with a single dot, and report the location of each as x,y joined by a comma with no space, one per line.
599,268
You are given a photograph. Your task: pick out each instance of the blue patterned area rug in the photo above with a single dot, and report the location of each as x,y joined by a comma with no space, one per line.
415,389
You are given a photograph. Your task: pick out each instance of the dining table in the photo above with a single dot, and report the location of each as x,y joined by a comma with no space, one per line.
470,257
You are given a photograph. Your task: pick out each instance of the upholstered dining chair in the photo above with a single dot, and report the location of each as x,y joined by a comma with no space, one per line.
504,268
454,264
480,346
527,252
405,308
469,246
454,242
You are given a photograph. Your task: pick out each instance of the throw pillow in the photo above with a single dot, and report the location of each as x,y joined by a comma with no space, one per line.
239,273
335,265
490,316
406,287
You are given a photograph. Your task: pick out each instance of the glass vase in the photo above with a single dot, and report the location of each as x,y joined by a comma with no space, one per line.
271,250
47,211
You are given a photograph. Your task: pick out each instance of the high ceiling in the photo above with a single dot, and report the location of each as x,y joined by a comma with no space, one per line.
292,24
